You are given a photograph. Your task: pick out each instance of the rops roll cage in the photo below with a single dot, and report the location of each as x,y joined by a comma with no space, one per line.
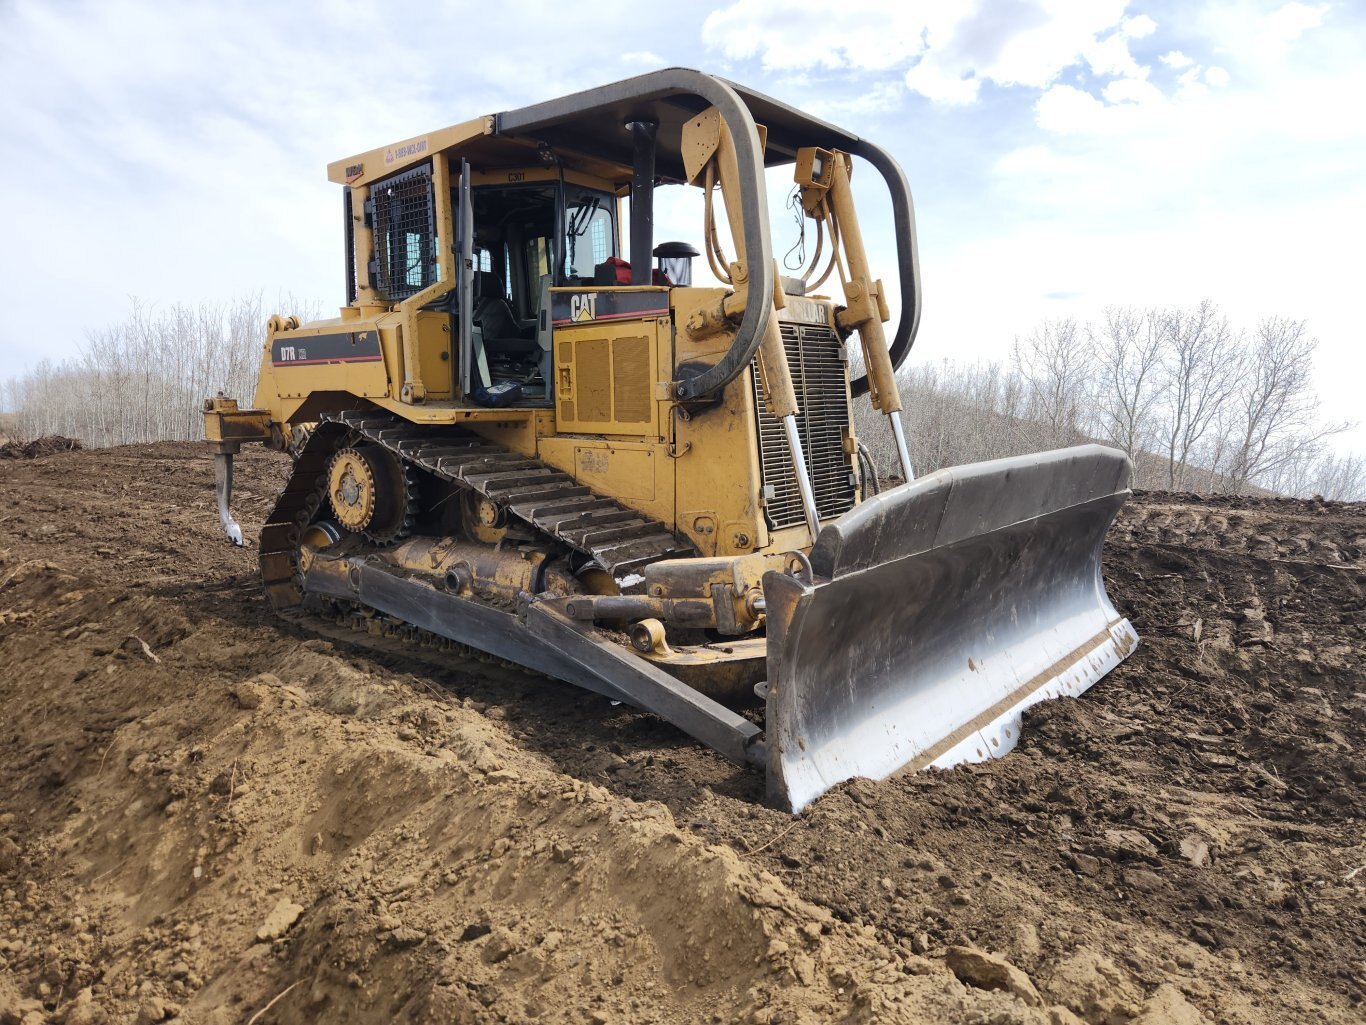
595,121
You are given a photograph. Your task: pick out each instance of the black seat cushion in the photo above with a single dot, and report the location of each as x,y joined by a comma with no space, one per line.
496,322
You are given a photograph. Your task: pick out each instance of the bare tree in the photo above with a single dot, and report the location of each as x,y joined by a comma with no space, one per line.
1127,352
1340,478
954,413
1054,363
1273,405
1171,387
142,379
1202,360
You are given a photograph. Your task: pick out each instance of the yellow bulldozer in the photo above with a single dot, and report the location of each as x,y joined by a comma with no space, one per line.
523,437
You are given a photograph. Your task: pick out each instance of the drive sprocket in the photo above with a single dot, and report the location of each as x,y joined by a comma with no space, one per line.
371,492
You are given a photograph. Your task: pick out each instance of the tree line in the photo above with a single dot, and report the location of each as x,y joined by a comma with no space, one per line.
143,378
1197,404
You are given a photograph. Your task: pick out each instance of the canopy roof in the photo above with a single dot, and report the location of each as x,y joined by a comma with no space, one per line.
593,122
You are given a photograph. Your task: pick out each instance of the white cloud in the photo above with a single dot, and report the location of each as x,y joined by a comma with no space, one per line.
948,49
878,98
1111,56
933,82
1123,104
1291,21
794,34
1138,27
1066,109
643,58
1049,39
1132,91
1176,59
1216,76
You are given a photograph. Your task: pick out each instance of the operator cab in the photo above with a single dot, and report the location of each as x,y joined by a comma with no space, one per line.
519,252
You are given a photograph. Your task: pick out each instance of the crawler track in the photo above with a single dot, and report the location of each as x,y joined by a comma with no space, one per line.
618,539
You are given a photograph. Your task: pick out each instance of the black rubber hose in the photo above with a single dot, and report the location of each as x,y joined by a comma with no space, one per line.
868,471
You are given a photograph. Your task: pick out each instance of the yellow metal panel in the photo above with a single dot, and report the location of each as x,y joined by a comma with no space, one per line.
531,175
632,384
638,474
364,168
327,357
225,422
717,469
593,377
717,475
625,472
436,352
605,374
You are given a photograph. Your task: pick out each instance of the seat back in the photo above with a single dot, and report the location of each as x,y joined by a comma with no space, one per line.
492,311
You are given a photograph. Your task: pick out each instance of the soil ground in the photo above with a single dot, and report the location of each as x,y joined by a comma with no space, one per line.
205,813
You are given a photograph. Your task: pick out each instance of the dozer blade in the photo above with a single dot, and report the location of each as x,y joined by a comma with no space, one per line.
936,613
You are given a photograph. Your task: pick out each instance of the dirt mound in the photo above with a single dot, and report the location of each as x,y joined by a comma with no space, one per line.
47,445
202,811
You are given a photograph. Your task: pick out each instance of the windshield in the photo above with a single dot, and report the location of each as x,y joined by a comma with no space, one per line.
515,245
588,232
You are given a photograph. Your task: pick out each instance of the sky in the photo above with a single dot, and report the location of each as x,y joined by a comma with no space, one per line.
1065,155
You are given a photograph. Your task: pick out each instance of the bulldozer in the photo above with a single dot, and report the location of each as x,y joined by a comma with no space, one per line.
522,436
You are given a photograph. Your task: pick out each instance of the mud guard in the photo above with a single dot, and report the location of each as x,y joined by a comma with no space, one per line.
938,612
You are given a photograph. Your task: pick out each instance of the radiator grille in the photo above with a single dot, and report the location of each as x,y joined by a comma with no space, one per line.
817,360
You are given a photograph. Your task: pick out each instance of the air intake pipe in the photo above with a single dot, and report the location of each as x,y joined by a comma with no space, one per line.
642,201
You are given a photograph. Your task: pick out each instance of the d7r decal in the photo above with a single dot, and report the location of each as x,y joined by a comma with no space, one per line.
310,350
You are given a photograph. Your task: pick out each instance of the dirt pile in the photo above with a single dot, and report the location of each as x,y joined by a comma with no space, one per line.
48,444
202,811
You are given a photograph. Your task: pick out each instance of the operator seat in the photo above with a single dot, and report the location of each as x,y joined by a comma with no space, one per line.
496,322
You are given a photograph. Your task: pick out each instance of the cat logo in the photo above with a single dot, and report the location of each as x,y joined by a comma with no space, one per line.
583,306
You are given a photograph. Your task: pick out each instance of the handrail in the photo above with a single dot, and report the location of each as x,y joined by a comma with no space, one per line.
753,205
753,195
907,255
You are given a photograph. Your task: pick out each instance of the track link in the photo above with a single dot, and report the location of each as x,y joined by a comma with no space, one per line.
620,540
